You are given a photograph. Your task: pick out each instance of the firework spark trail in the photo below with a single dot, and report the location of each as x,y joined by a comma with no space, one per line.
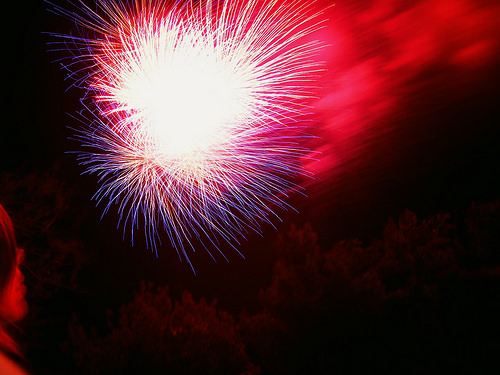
195,111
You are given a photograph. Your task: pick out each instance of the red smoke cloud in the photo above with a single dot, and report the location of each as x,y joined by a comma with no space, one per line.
386,59
377,53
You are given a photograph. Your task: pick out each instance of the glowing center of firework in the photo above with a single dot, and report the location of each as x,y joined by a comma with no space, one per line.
188,110
181,98
196,110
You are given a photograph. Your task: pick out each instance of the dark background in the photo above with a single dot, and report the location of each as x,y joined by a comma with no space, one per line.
407,120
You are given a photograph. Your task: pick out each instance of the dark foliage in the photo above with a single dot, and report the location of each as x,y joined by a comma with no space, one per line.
153,335
404,303
420,298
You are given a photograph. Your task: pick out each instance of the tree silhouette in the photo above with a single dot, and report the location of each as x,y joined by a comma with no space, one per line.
419,298
154,335
266,340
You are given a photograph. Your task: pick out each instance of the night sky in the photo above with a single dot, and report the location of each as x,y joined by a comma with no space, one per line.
407,119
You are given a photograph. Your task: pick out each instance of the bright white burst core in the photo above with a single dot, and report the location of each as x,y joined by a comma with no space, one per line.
180,91
196,111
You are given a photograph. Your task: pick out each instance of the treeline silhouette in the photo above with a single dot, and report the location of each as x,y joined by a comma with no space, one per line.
422,297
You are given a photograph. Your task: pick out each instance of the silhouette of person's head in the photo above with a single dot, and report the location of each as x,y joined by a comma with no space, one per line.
13,306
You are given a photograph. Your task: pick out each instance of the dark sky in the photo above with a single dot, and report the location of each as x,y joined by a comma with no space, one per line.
407,119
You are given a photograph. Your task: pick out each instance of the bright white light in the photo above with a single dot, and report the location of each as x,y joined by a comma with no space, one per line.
196,111
176,89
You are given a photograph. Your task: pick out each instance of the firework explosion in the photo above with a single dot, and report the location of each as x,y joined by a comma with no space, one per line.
194,111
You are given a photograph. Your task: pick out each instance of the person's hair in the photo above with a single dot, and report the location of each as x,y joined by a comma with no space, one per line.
8,248
8,264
